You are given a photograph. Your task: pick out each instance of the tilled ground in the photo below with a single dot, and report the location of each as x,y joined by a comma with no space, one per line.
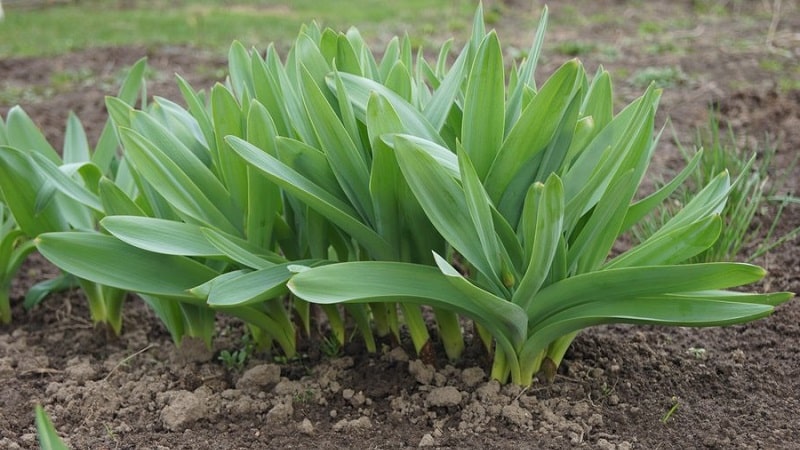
734,387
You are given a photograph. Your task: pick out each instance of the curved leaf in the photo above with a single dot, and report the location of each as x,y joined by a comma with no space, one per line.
107,260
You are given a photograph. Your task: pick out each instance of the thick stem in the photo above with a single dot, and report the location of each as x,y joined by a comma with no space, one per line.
450,333
500,369
360,314
268,325
94,297
380,317
113,298
5,302
555,353
335,322
416,326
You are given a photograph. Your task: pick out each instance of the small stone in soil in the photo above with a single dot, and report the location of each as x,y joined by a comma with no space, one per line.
259,377
306,427
516,415
444,397
427,441
421,372
472,376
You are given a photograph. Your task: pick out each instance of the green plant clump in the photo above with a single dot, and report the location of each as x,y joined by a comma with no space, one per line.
373,186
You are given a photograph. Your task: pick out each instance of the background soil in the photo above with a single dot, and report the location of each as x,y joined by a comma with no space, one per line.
616,384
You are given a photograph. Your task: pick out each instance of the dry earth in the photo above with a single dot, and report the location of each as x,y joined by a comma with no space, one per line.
617,383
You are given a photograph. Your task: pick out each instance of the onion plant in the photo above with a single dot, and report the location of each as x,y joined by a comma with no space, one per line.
376,185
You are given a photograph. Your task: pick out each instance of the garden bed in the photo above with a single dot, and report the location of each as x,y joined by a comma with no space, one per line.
619,386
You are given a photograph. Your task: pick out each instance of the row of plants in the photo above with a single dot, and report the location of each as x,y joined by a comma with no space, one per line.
373,187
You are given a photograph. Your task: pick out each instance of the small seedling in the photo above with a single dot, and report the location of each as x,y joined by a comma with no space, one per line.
236,360
330,346
697,352
671,411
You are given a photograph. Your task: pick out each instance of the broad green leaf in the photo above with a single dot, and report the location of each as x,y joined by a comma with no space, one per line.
360,89
674,247
591,246
20,183
263,196
198,109
525,78
311,163
378,281
442,198
400,82
635,282
390,56
160,236
228,120
348,117
641,208
599,100
291,102
76,145
542,226
115,201
347,59
240,71
22,133
173,184
654,310
250,288
108,143
267,94
385,178
65,183
710,200
242,251
438,107
109,261
535,129
334,209
480,211
446,159
345,159
484,106
46,432
183,126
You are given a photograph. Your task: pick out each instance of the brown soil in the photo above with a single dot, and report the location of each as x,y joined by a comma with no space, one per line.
734,387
